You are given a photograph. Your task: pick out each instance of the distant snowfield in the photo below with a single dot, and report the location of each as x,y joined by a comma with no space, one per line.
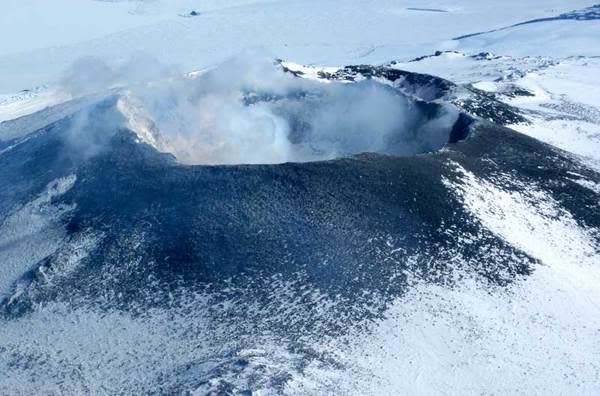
45,37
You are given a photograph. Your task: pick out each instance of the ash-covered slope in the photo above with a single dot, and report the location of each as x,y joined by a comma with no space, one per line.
233,279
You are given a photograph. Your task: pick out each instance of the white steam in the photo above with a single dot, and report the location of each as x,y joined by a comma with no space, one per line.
247,111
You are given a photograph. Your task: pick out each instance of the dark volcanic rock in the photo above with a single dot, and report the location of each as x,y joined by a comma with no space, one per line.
349,226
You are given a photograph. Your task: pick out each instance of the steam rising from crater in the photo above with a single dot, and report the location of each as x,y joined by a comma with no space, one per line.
247,111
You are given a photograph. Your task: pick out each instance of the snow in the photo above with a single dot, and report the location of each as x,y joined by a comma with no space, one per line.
562,108
558,39
312,73
28,102
331,33
564,111
113,352
595,187
536,336
570,79
31,233
463,68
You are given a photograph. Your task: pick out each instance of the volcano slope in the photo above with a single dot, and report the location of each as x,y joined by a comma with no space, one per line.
125,270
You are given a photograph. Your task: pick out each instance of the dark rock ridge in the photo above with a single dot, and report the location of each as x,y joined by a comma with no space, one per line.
472,101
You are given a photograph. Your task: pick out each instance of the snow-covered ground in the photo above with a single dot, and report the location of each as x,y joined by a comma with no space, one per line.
31,233
46,37
537,337
560,100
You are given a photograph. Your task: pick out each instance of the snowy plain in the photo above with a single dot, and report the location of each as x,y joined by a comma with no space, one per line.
44,38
